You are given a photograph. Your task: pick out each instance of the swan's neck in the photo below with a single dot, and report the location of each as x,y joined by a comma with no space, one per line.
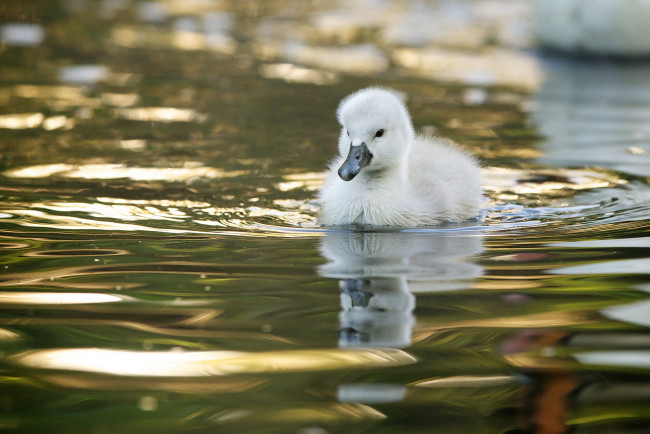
395,176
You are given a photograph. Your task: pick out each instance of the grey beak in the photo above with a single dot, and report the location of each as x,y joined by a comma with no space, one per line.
358,158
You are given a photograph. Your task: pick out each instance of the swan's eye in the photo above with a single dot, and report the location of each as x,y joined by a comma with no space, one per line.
379,133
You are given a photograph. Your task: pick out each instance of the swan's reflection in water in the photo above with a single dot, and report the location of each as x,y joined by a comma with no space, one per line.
375,312
379,273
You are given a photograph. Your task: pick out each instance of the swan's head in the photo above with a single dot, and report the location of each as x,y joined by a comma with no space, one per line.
376,132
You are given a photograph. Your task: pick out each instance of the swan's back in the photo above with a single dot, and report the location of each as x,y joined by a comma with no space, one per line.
444,177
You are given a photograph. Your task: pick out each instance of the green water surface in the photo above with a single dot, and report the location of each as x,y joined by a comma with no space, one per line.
162,269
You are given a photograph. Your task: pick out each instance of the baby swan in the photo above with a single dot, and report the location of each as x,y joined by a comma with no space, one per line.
386,175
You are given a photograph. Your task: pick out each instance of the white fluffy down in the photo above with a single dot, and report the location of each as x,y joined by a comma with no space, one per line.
410,181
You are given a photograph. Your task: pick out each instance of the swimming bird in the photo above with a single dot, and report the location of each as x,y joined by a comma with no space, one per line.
388,176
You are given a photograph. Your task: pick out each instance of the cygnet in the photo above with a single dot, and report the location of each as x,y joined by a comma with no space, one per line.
387,176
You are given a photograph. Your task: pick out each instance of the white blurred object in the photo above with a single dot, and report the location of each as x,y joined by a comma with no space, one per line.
601,27
152,11
83,74
22,34
371,393
634,313
630,359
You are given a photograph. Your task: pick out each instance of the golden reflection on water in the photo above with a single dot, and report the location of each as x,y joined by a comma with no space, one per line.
188,172
293,218
137,37
296,74
122,212
156,202
533,320
57,298
493,67
184,7
42,171
530,361
500,184
466,381
310,181
161,114
362,59
49,92
301,224
21,121
185,40
120,99
323,413
133,144
56,122
528,321
8,335
178,385
502,284
41,219
356,39
518,181
207,363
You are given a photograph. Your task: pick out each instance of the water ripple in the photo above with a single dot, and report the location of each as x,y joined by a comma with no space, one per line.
576,200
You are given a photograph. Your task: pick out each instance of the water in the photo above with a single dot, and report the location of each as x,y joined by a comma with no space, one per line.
162,269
